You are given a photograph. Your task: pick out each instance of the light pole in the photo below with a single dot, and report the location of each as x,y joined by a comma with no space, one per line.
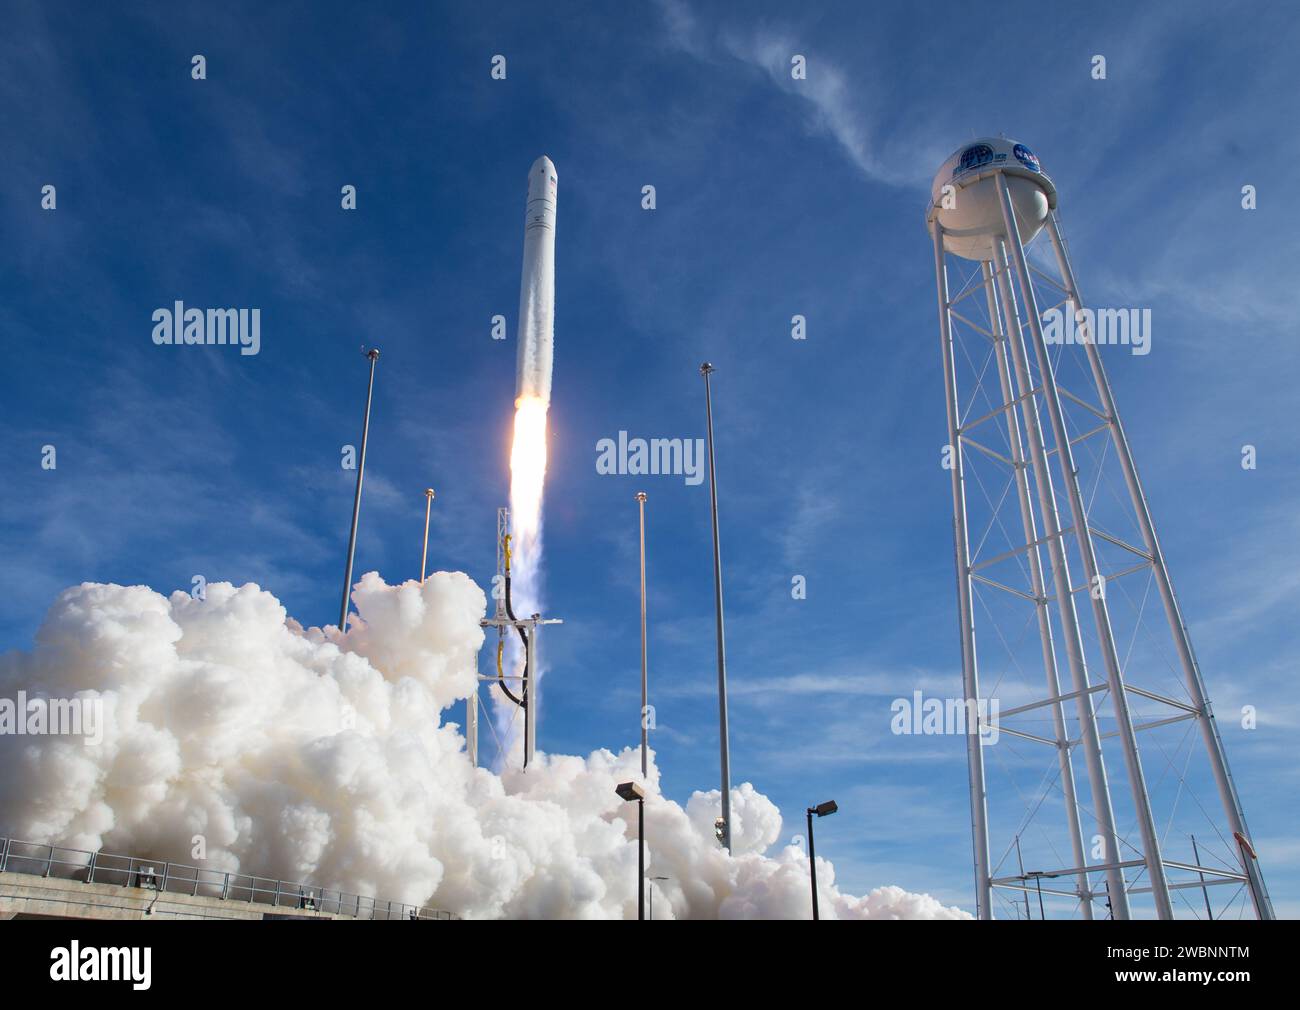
373,355
821,810
645,700
631,791
428,508
724,825
1037,876
1038,881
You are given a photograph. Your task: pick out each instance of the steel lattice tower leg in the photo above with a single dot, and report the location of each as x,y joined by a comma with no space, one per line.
1030,530
1178,629
1083,538
1099,785
966,617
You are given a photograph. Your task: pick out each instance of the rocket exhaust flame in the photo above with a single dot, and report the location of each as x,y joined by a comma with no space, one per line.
527,481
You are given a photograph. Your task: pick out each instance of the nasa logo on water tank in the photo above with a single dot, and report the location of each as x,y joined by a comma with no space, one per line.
1026,157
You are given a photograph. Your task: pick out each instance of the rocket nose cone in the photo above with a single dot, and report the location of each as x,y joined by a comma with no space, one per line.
543,166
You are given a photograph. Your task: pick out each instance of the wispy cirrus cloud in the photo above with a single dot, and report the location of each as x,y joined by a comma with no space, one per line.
839,106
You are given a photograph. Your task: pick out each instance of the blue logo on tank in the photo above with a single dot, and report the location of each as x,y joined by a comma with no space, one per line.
1027,158
975,156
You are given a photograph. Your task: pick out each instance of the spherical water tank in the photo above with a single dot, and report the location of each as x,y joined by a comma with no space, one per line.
964,196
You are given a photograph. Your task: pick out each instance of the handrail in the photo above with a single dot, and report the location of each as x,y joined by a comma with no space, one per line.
97,866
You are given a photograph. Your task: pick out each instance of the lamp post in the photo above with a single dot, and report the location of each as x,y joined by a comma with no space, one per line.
428,508
723,827
631,791
821,810
1037,876
1038,881
645,699
373,355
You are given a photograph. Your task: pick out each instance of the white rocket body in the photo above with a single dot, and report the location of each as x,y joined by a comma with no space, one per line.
537,285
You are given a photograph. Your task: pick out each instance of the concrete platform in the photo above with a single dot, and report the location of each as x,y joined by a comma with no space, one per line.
25,895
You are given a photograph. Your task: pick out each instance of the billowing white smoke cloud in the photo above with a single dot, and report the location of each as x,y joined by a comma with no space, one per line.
308,756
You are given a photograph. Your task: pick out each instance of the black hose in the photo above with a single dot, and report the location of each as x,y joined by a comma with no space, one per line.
523,635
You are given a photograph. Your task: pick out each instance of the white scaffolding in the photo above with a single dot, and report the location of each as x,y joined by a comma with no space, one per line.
1056,559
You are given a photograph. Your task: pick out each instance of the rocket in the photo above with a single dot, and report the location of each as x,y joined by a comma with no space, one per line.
537,285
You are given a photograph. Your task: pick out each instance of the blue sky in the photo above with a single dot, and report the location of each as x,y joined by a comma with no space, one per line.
774,198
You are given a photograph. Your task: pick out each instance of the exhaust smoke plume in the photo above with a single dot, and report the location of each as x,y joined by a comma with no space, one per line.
308,755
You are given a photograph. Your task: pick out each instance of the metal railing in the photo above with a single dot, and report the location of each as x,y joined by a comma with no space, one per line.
85,866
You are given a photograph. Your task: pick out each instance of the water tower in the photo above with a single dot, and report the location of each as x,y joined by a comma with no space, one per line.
1060,571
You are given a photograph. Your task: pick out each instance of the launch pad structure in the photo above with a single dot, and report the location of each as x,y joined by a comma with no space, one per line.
527,628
